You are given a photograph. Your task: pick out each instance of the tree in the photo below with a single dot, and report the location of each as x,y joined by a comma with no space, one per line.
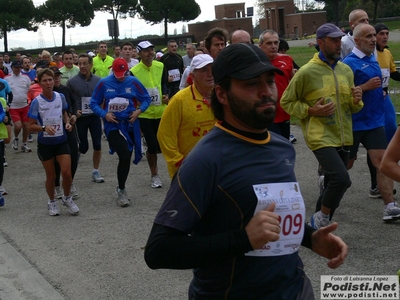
332,8
118,9
14,15
169,11
66,14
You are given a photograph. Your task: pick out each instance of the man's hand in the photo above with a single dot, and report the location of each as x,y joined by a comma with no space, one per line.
322,110
72,120
165,99
329,246
263,227
110,117
372,84
357,94
68,126
134,115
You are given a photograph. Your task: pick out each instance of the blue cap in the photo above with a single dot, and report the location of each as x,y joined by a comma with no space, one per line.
330,30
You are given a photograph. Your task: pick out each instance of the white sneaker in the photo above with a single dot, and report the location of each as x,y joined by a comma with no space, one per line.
15,143
96,177
3,190
58,192
391,213
74,192
52,206
30,138
122,199
70,204
25,148
156,181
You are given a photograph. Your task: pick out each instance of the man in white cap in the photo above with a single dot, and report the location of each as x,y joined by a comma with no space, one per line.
188,116
153,75
113,100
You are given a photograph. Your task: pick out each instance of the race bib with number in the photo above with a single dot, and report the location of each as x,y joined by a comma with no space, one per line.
155,96
176,75
54,122
86,110
291,210
385,77
118,104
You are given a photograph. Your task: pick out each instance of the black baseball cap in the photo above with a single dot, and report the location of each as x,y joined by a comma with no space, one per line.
241,61
42,64
55,70
16,64
379,27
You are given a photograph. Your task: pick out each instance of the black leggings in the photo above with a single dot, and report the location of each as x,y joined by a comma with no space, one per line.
119,145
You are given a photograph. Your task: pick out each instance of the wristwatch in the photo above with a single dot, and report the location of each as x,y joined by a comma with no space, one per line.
44,128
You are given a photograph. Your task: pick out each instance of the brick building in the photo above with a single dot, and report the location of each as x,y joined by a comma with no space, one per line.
281,17
228,16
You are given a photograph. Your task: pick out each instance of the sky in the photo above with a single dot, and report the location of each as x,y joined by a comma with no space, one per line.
48,36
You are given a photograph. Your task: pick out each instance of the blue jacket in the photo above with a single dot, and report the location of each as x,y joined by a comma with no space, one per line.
131,89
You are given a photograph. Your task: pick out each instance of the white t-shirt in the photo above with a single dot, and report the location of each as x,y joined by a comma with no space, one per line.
19,86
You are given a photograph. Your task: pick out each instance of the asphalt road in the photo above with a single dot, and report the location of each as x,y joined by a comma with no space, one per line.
99,253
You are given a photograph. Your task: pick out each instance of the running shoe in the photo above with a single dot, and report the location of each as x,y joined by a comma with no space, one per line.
58,192
5,163
70,204
53,208
318,220
3,190
96,177
122,199
156,181
74,192
376,193
15,143
30,138
292,139
25,148
391,213
2,201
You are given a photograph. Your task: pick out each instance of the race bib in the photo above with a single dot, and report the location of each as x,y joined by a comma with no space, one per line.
54,122
176,75
291,210
155,96
86,106
118,104
385,77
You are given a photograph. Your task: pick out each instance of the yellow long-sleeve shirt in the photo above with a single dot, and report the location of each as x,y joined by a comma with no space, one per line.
187,118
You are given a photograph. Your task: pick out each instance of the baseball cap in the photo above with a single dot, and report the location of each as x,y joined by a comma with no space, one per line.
120,68
200,61
55,70
42,64
330,30
16,64
144,45
241,61
91,53
159,54
379,27
56,53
